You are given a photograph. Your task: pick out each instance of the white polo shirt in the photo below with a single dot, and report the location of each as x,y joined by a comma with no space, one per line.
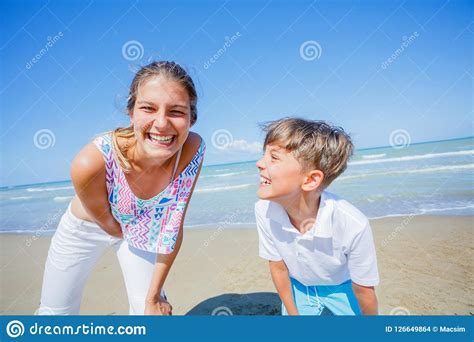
338,247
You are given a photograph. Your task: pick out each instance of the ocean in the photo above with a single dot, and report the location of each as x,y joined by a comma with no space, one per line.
434,178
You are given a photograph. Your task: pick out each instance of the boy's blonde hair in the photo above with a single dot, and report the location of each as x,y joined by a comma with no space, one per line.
317,145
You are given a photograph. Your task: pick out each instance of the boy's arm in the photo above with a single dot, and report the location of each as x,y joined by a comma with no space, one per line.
367,299
362,264
281,279
278,269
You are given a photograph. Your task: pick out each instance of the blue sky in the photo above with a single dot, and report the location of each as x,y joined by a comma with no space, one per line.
372,67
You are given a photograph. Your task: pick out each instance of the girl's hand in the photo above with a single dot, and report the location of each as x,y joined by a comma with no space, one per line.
159,308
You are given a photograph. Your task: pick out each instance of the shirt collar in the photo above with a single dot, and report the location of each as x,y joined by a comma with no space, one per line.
321,228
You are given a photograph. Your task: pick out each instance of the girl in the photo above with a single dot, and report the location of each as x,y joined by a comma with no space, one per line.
133,186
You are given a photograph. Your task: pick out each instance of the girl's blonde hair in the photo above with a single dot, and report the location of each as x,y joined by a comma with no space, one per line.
171,71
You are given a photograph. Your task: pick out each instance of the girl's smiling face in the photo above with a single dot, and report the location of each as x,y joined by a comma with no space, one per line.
161,118
280,174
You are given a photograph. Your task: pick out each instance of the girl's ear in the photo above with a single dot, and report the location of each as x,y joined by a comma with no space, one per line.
313,180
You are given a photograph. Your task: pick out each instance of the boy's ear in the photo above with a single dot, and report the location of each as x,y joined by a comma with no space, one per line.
313,180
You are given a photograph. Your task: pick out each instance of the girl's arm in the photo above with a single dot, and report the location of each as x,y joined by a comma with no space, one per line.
367,299
281,279
88,178
155,305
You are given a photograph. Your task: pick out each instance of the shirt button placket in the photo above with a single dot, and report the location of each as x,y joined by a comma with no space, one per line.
297,245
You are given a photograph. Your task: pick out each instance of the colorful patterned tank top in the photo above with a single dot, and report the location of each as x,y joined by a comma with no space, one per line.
153,224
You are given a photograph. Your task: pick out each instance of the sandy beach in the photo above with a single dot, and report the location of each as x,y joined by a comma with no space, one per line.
425,264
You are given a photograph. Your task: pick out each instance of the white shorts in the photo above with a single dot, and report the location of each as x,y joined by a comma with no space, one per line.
75,249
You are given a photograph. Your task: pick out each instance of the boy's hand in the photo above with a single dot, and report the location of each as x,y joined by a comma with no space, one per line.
367,299
281,279
292,311
158,308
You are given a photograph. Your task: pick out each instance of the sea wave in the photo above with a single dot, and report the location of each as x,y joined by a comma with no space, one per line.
62,198
220,224
470,206
28,231
224,188
424,170
374,156
415,157
223,174
422,211
19,198
50,189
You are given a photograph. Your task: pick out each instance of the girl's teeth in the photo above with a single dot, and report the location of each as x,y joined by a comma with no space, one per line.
161,139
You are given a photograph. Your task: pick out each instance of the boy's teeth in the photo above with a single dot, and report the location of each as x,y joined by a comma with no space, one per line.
264,181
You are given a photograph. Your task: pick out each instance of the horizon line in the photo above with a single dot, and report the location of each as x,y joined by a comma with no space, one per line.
249,161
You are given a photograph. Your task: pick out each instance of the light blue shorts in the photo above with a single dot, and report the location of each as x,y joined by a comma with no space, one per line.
324,300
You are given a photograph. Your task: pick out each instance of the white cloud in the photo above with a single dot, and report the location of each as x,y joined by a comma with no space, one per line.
243,145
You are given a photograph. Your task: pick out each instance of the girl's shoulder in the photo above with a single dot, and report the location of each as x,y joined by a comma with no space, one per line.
193,148
194,143
88,163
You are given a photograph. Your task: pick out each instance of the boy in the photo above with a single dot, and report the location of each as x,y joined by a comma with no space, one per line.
320,247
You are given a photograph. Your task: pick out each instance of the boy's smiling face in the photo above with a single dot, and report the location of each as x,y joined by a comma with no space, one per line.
281,175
